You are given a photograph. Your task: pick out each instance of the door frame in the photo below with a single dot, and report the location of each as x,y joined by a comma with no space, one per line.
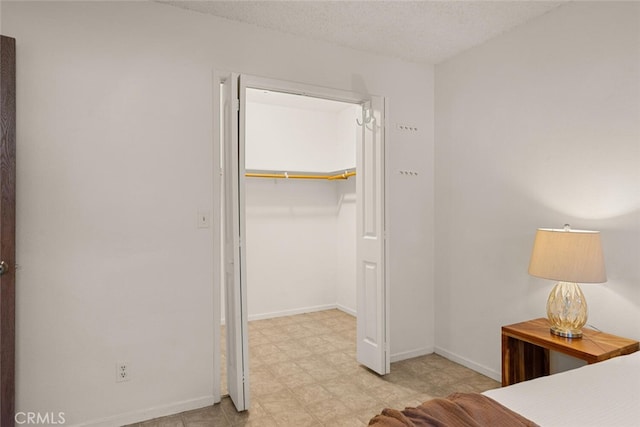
296,88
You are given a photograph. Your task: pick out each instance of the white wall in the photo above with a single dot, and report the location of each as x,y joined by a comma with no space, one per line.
296,139
291,233
114,161
345,245
305,135
536,128
300,246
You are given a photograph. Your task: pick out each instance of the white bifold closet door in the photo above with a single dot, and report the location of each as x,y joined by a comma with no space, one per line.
234,279
372,302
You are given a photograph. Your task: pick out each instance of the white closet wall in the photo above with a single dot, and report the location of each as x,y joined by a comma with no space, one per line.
291,132
345,245
300,233
346,220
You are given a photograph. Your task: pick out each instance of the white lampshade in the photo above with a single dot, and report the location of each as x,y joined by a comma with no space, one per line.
568,255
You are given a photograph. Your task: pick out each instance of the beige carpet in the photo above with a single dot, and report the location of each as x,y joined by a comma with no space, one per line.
304,373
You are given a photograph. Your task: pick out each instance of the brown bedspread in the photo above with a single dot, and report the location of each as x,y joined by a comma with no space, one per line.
457,410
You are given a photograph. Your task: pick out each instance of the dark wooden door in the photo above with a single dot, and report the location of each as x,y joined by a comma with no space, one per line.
7,228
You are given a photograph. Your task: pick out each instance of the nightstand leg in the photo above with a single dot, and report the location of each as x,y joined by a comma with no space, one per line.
507,375
522,361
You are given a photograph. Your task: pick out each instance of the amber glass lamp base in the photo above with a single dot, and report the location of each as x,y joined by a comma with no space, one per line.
567,310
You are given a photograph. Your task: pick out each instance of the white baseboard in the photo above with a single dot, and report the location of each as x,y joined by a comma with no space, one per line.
469,364
298,311
346,310
147,414
292,312
397,357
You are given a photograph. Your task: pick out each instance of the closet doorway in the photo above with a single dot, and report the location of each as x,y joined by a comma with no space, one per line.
300,201
293,162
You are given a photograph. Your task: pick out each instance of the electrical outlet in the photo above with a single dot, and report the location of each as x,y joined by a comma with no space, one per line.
122,372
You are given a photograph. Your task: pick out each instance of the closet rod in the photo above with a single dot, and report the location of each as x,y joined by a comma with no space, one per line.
344,175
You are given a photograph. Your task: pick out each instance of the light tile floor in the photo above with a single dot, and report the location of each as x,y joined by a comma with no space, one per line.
304,373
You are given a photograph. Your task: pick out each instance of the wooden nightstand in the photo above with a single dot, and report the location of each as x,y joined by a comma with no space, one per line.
526,345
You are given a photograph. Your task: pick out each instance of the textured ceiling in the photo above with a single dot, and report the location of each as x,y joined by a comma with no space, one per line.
417,31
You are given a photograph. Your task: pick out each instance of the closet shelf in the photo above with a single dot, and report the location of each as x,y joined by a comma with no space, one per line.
301,175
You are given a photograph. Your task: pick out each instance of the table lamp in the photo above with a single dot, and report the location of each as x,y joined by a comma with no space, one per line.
570,257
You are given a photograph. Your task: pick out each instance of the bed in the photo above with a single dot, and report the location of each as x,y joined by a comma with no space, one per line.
601,394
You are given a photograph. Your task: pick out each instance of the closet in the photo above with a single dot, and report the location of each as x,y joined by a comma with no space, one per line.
300,157
302,213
